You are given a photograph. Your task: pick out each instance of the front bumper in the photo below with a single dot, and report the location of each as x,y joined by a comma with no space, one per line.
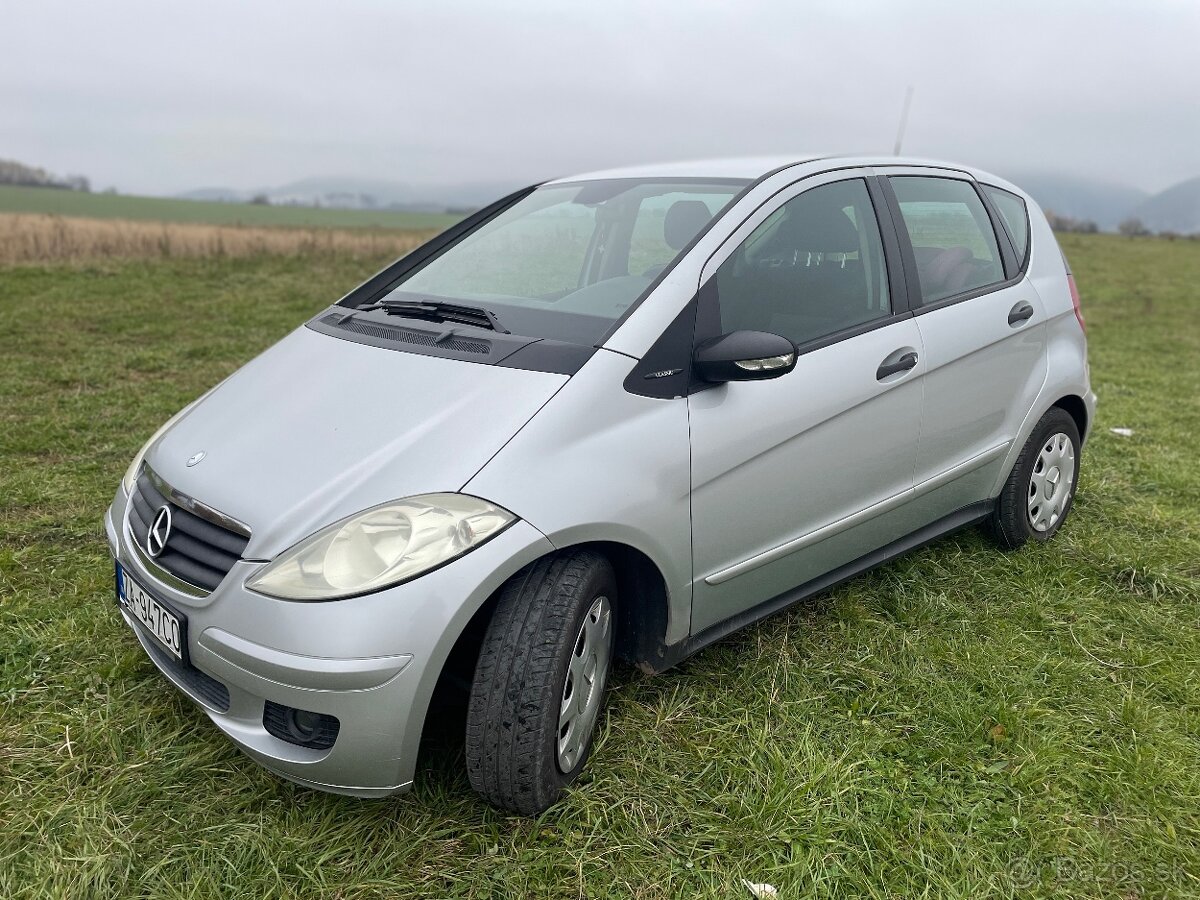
370,661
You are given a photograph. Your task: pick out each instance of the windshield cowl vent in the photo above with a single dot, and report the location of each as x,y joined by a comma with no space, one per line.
404,335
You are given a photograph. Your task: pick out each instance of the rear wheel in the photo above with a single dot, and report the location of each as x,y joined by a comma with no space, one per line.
1040,490
540,680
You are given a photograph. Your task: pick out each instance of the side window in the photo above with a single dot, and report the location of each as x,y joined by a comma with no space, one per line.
813,268
951,235
1016,217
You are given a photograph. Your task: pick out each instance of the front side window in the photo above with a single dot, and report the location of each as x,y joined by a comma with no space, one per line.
813,268
566,261
951,235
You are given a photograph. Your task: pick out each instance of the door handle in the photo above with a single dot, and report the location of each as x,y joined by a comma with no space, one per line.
903,364
1020,313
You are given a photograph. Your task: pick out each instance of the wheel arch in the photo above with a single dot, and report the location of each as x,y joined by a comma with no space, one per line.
642,612
1076,408
642,609
1070,402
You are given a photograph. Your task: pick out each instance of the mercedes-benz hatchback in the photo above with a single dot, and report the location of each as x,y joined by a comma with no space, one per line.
618,415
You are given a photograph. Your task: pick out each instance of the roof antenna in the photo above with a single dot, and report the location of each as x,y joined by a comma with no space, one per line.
903,119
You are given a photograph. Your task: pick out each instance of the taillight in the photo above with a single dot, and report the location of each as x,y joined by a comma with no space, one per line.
1075,300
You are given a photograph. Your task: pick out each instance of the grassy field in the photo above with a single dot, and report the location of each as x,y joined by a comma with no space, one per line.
960,723
15,199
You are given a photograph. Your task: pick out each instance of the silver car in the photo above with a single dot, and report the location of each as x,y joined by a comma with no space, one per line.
619,415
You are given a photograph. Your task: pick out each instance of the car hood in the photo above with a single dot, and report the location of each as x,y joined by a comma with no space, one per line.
318,428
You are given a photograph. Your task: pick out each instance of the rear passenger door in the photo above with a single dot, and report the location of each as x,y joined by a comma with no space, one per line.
982,325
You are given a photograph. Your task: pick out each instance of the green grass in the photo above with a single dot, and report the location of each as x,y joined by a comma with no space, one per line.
167,209
960,723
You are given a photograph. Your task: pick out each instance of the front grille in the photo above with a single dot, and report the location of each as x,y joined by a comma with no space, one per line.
203,687
407,335
278,720
197,551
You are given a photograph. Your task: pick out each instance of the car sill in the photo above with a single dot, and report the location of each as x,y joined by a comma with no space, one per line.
674,654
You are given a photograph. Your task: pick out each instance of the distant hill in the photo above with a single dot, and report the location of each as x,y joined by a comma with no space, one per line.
1175,209
365,193
216,194
1102,202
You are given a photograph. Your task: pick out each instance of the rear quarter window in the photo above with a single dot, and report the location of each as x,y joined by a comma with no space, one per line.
1016,217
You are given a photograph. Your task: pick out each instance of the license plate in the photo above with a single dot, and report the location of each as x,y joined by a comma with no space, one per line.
167,627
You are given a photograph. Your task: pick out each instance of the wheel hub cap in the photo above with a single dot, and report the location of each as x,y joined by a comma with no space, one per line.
1051,482
1052,478
583,688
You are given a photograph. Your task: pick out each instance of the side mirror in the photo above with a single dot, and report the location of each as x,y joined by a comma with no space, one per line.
744,356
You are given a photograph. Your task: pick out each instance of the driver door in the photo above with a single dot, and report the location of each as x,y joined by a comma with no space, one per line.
796,476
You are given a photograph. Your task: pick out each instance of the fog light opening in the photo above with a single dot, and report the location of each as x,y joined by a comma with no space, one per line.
317,731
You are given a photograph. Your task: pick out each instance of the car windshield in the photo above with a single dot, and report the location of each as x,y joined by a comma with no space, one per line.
566,261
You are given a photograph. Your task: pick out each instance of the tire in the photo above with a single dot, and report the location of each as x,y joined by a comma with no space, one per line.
554,622
1040,490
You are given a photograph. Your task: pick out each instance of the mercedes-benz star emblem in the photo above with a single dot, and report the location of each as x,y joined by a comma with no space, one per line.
195,458
160,531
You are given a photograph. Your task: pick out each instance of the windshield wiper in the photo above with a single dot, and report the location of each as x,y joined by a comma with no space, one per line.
437,311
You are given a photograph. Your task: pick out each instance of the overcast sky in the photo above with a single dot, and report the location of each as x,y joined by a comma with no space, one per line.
164,96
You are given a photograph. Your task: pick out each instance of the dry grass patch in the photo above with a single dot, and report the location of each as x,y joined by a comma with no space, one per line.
45,238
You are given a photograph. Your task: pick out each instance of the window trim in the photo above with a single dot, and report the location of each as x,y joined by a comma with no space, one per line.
1007,254
708,320
893,252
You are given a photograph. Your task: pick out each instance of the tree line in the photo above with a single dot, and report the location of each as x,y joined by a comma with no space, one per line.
13,172
1129,227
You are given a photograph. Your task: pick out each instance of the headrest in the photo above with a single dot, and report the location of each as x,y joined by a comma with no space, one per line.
819,227
684,220
949,270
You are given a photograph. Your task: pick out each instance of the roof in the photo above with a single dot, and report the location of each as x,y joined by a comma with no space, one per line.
754,167
748,167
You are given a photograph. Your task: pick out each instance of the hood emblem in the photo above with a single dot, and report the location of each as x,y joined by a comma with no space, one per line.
195,458
159,533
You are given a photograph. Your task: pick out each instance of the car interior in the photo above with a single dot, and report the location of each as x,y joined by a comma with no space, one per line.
809,270
952,238
610,280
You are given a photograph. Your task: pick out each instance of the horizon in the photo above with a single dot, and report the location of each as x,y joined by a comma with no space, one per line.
429,189
1013,176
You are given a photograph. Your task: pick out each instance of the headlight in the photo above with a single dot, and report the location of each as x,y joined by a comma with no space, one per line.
132,472
381,547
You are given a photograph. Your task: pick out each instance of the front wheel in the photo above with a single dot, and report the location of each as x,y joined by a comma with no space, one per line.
1040,490
540,680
